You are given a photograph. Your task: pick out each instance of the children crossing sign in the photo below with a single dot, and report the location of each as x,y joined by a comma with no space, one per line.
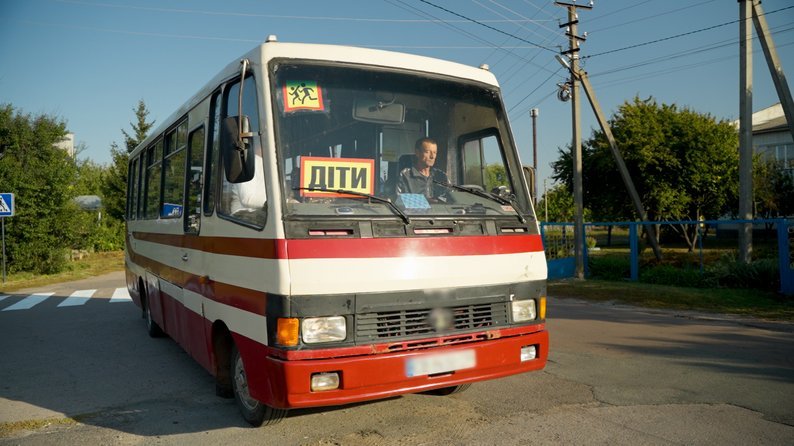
6,205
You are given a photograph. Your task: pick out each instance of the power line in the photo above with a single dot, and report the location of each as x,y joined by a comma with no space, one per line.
677,55
677,35
554,31
533,91
139,33
271,16
404,6
621,10
516,62
487,26
678,68
632,21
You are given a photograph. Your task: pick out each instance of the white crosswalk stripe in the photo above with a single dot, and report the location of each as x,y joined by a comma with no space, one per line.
77,298
120,295
29,302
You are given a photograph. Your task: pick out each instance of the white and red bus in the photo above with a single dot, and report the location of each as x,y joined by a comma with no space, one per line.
267,236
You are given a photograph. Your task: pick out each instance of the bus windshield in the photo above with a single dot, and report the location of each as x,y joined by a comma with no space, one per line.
368,142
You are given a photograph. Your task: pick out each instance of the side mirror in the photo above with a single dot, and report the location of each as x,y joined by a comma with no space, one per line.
238,155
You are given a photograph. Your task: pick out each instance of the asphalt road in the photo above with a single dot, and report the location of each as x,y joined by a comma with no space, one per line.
87,373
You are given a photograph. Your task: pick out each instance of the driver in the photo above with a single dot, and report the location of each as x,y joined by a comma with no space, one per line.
419,178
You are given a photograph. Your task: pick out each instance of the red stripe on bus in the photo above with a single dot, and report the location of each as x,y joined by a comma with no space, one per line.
253,301
341,248
233,246
410,247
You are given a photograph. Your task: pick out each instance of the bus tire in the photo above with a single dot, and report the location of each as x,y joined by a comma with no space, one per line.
152,328
444,391
253,411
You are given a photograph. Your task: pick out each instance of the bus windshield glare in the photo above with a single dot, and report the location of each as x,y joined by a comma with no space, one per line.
366,142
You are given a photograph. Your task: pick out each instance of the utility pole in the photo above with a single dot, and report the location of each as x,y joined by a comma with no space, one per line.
750,10
624,172
546,199
534,114
745,130
773,62
576,144
577,76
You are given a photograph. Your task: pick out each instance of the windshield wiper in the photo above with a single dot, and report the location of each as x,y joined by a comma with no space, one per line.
501,200
391,205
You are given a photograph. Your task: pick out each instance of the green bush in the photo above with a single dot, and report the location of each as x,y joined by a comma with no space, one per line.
108,236
40,257
672,275
760,274
609,267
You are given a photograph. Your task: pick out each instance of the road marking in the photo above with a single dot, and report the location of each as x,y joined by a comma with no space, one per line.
120,295
3,297
29,302
77,298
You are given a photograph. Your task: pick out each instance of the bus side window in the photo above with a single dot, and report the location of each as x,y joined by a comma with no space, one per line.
132,190
174,171
151,199
213,155
245,201
193,180
483,165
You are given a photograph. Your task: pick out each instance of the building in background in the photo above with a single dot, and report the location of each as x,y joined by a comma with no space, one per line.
67,143
772,138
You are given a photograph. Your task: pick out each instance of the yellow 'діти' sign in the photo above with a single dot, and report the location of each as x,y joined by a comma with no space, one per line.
331,174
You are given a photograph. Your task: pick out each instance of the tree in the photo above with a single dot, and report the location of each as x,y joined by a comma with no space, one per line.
560,205
114,189
42,177
140,129
684,165
773,188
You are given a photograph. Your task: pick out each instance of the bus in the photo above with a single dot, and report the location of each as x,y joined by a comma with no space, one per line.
270,232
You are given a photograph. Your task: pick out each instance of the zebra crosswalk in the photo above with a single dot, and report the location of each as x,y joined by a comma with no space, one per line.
77,298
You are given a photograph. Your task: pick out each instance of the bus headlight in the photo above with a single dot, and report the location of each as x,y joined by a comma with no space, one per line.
524,310
323,329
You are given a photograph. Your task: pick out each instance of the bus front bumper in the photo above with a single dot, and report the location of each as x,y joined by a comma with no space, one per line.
376,376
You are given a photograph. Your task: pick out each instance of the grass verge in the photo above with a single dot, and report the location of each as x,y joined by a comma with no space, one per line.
745,302
8,429
92,265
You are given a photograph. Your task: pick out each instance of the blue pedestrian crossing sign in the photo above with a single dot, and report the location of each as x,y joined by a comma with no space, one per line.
6,205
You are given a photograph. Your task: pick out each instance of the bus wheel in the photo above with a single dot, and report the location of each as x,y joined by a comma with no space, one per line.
444,391
152,328
255,412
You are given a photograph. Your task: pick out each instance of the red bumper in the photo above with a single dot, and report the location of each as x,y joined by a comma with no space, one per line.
287,383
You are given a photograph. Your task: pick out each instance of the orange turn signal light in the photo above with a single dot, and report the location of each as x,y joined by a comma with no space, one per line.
287,331
542,311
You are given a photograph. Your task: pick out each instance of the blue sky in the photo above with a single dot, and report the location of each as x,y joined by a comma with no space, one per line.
90,61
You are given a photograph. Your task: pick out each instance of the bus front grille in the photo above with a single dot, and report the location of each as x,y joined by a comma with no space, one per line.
413,323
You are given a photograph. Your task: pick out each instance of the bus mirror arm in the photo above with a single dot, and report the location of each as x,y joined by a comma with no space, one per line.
243,130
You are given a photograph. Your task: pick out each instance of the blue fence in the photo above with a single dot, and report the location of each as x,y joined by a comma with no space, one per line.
558,241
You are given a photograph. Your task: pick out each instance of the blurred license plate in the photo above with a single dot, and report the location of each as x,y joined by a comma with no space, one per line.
440,362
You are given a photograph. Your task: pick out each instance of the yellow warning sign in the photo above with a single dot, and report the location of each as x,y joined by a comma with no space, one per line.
302,95
321,176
